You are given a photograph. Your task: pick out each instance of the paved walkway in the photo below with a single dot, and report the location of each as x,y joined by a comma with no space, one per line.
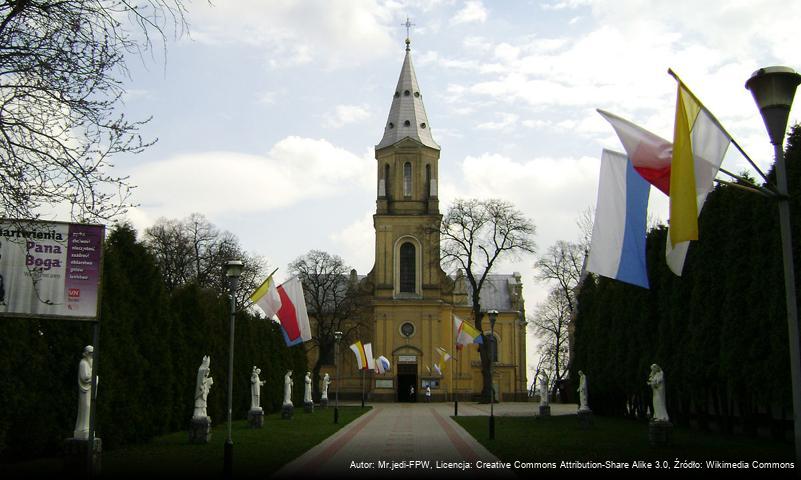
417,439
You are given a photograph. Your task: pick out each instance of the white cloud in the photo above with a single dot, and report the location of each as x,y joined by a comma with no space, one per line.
294,170
507,121
352,240
298,32
473,12
266,97
346,114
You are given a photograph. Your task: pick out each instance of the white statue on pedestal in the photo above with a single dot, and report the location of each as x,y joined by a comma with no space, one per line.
544,397
326,383
657,382
307,393
288,388
202,387
255,389
84,394
582,391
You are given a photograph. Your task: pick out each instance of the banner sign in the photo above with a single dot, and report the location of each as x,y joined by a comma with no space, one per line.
50,269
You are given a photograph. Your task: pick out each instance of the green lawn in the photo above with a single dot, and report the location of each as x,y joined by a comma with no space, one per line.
559,438
256,452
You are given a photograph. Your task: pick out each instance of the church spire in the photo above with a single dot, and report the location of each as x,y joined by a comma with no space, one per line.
407,116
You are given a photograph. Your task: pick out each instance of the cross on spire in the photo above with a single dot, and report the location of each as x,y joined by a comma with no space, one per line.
408,26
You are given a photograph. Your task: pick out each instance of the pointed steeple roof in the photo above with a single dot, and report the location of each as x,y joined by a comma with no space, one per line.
407,116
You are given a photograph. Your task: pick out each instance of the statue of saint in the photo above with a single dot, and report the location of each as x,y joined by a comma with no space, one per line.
84,394
307,393
202,387
288,388
582,391
657,383
326,383
255,389
544,397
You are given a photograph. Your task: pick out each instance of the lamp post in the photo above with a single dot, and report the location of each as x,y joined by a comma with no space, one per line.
773,89
337,338
493,316
233,269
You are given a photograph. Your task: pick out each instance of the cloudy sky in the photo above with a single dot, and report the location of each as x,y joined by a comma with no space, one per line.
268,112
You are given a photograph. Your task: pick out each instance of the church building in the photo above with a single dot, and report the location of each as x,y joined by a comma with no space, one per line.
412,300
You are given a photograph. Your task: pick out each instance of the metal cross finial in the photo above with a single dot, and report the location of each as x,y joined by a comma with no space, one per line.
408,26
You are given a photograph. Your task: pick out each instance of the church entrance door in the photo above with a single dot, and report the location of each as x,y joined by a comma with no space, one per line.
407,378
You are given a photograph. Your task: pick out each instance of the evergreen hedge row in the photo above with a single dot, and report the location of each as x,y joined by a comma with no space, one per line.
151,345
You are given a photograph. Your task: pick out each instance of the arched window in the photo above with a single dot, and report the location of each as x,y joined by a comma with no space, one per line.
428,180
407,179
387,185
407,272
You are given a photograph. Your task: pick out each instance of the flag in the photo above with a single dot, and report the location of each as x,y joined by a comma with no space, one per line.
428,369
699,145
266,297
368,355
650,154
382,364
437,369
465,333
618,233
292,314
444,355
361,358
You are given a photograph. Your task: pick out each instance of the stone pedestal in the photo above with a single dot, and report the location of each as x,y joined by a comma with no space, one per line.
76,458
660,433
287,411
585,419
200,430
324,403
308,407
545,410
256,418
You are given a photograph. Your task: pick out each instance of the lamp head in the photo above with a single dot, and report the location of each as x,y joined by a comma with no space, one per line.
773,89
337,336
233,268
493,317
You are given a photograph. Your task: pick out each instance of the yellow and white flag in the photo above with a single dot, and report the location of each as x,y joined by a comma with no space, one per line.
267,297
699,145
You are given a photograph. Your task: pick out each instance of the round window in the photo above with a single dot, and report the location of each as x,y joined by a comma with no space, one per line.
407,329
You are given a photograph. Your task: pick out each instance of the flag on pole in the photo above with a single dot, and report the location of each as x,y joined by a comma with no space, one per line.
618,233
649,153
266,296
699,145
465,333
444,355
428,369
361,358
382,364
368,355
292,313
437,369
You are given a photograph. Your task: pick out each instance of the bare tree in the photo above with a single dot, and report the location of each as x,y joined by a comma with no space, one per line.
562,265
194,250
474,234
333,299
550,322
61,63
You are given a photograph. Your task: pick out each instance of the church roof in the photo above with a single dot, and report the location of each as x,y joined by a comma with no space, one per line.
407,116
498,293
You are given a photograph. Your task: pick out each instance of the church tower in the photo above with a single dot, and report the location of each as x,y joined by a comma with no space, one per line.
407,208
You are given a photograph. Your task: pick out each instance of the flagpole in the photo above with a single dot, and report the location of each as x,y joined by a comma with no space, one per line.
362,387
717,123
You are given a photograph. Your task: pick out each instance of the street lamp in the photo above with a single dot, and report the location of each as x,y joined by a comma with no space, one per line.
233,269
337,338
773,89
493,316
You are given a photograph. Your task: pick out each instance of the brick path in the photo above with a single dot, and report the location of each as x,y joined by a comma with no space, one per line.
395,434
